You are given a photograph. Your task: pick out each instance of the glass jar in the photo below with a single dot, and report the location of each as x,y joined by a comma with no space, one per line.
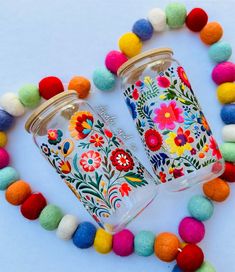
176,135
110,182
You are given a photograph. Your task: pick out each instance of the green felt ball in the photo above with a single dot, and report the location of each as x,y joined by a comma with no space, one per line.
50,217
200,207
228,151
8,175
175,14
144,242
29,95
206,267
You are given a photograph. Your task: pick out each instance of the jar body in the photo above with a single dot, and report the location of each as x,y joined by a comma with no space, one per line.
171,124
95,164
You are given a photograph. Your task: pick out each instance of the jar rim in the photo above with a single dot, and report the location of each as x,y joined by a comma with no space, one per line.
44,106
150,53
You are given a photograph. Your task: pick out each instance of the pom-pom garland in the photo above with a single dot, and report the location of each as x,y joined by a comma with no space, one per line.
196,19
50,86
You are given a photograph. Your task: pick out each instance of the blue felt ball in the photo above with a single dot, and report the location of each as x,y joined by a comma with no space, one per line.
6,120
220,51
228,114
103,79
143,29
8,175
144,243
200,207
176,269
84,235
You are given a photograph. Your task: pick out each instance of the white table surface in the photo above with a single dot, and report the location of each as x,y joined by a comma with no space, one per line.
67,38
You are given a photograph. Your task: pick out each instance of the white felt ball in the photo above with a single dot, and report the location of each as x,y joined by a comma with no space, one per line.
11,104
228,133
67,227
157,18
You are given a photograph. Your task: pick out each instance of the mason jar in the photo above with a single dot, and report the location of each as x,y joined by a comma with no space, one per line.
101,171
176,135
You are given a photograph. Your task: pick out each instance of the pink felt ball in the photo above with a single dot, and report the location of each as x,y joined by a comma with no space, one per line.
114,60
191,230
4,158
224,72
123,243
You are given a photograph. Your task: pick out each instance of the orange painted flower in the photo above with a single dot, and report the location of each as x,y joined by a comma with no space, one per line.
124,189
65,167
183,76
97,140
90,161
162,177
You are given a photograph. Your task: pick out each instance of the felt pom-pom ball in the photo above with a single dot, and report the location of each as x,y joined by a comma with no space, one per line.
6,120
227,114
84,236
228,151
157,18
196,19
114,60
200,207
67,227
103,241
8,175
223,72
50,86
228,133
175,14
123,243
144,243
220,51
130,44
211,33
18,192
226,93
50,217
103,79
176,269
11,104
143,29
4,158
81,85
216,189
206,267
29,95
33,205
229,172
3,139
190,258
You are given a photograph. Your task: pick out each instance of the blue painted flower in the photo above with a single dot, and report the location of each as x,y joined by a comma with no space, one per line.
132,108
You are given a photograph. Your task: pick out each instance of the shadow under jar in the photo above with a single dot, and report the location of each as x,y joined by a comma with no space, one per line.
111,183
176,135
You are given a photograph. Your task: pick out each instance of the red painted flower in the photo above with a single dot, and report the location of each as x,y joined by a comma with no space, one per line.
54,136
135,94
108,133
122,160
215,149
65,167
153,139
124,189
90,161
183,76
193,151
162,177
97,140
178,172
163,82
139,83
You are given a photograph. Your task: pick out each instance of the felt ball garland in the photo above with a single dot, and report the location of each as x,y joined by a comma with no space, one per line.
166,246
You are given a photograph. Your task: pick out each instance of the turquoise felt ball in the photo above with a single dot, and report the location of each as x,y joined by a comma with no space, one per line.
29,95
200,207
8,175
175,14
50,217
103,79
144,242
220,51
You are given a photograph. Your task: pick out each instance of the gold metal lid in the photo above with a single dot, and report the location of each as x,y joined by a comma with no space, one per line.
149,53
46,104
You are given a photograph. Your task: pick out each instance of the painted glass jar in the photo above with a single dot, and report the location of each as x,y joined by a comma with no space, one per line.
95,164
177,137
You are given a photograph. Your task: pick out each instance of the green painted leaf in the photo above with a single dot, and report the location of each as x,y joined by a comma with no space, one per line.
134,179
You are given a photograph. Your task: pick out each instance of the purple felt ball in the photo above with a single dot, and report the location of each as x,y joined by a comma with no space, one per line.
191,230
123,243
223,72
4,158
114,60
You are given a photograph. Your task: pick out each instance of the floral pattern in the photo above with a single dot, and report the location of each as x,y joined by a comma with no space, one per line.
122,160
175,132
54,136
90,161
80,125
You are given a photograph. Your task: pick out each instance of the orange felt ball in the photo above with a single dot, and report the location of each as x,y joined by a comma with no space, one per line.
81,85
166,246
18,192
211,33
216,189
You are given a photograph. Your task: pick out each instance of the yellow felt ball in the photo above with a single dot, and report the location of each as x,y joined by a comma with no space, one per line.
226,93
103,241
130,44
3,139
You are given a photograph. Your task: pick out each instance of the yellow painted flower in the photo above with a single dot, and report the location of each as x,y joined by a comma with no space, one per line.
102,183
206,148
162,96
147,80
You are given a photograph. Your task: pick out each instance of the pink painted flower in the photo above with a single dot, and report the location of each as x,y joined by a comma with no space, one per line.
163,82
168,115
90,161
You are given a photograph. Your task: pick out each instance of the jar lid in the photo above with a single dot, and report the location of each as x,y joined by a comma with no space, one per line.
149,53
46,104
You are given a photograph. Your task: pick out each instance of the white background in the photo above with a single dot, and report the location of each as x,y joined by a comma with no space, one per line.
67,38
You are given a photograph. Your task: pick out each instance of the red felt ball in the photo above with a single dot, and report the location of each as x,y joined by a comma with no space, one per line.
190,258
33,205
50,86
196,19
229,172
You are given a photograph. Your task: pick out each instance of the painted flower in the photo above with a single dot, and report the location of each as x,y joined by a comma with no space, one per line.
162,177
168,115
215,149
97,140
122,160
193,151
163,82
153,139
179,142
204,124
177,172
132,108
147,80
135,94
124,189
90,161
54,136
65,167
183,76
108,133
139,83
80,124
45,149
